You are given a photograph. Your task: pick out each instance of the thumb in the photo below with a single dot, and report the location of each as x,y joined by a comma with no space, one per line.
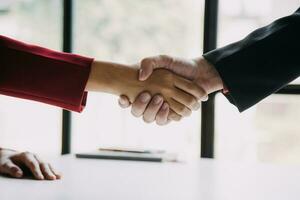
151,63
147,67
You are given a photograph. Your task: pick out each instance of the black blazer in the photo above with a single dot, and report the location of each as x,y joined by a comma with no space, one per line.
260,64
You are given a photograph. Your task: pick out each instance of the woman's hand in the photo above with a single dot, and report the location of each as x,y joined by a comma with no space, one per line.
17,164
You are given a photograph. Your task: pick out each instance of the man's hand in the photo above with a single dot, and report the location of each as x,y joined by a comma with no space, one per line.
197,70
15,164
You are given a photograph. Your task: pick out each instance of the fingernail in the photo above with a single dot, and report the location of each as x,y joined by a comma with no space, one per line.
145,97
196,106
141,75
122,101
19,174
41,177
157,100
205,98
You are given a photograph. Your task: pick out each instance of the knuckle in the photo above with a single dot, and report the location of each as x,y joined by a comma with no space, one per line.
155,104
5,165
146,62
142,100
165,57
24,154
31,164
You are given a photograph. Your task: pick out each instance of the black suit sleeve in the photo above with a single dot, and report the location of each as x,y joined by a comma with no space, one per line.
260,64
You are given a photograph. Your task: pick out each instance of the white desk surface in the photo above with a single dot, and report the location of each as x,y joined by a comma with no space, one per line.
88,179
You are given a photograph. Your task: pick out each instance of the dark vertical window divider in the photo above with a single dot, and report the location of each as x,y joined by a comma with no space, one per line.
67,47
208,108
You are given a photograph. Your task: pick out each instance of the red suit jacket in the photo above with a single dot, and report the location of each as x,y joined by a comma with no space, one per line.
39,74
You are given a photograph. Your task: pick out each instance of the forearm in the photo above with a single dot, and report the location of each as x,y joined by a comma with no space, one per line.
40,74
113,78
260,64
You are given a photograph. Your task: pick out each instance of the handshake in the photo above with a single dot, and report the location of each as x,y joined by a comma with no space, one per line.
160,88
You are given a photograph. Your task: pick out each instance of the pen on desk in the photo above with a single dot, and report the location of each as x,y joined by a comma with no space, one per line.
132,150
120,157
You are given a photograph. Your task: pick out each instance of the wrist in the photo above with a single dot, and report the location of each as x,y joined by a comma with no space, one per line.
207,76
113,78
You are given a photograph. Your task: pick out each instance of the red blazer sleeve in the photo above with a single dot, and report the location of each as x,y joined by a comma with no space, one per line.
39,74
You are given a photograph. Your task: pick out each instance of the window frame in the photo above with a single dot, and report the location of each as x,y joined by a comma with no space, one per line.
67,47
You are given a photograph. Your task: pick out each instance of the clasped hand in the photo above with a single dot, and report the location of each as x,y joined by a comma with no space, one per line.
203,80
176,89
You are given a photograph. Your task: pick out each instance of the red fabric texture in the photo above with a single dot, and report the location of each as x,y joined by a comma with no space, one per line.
43,75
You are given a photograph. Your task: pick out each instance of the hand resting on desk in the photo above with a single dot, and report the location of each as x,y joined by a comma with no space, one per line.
17,164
